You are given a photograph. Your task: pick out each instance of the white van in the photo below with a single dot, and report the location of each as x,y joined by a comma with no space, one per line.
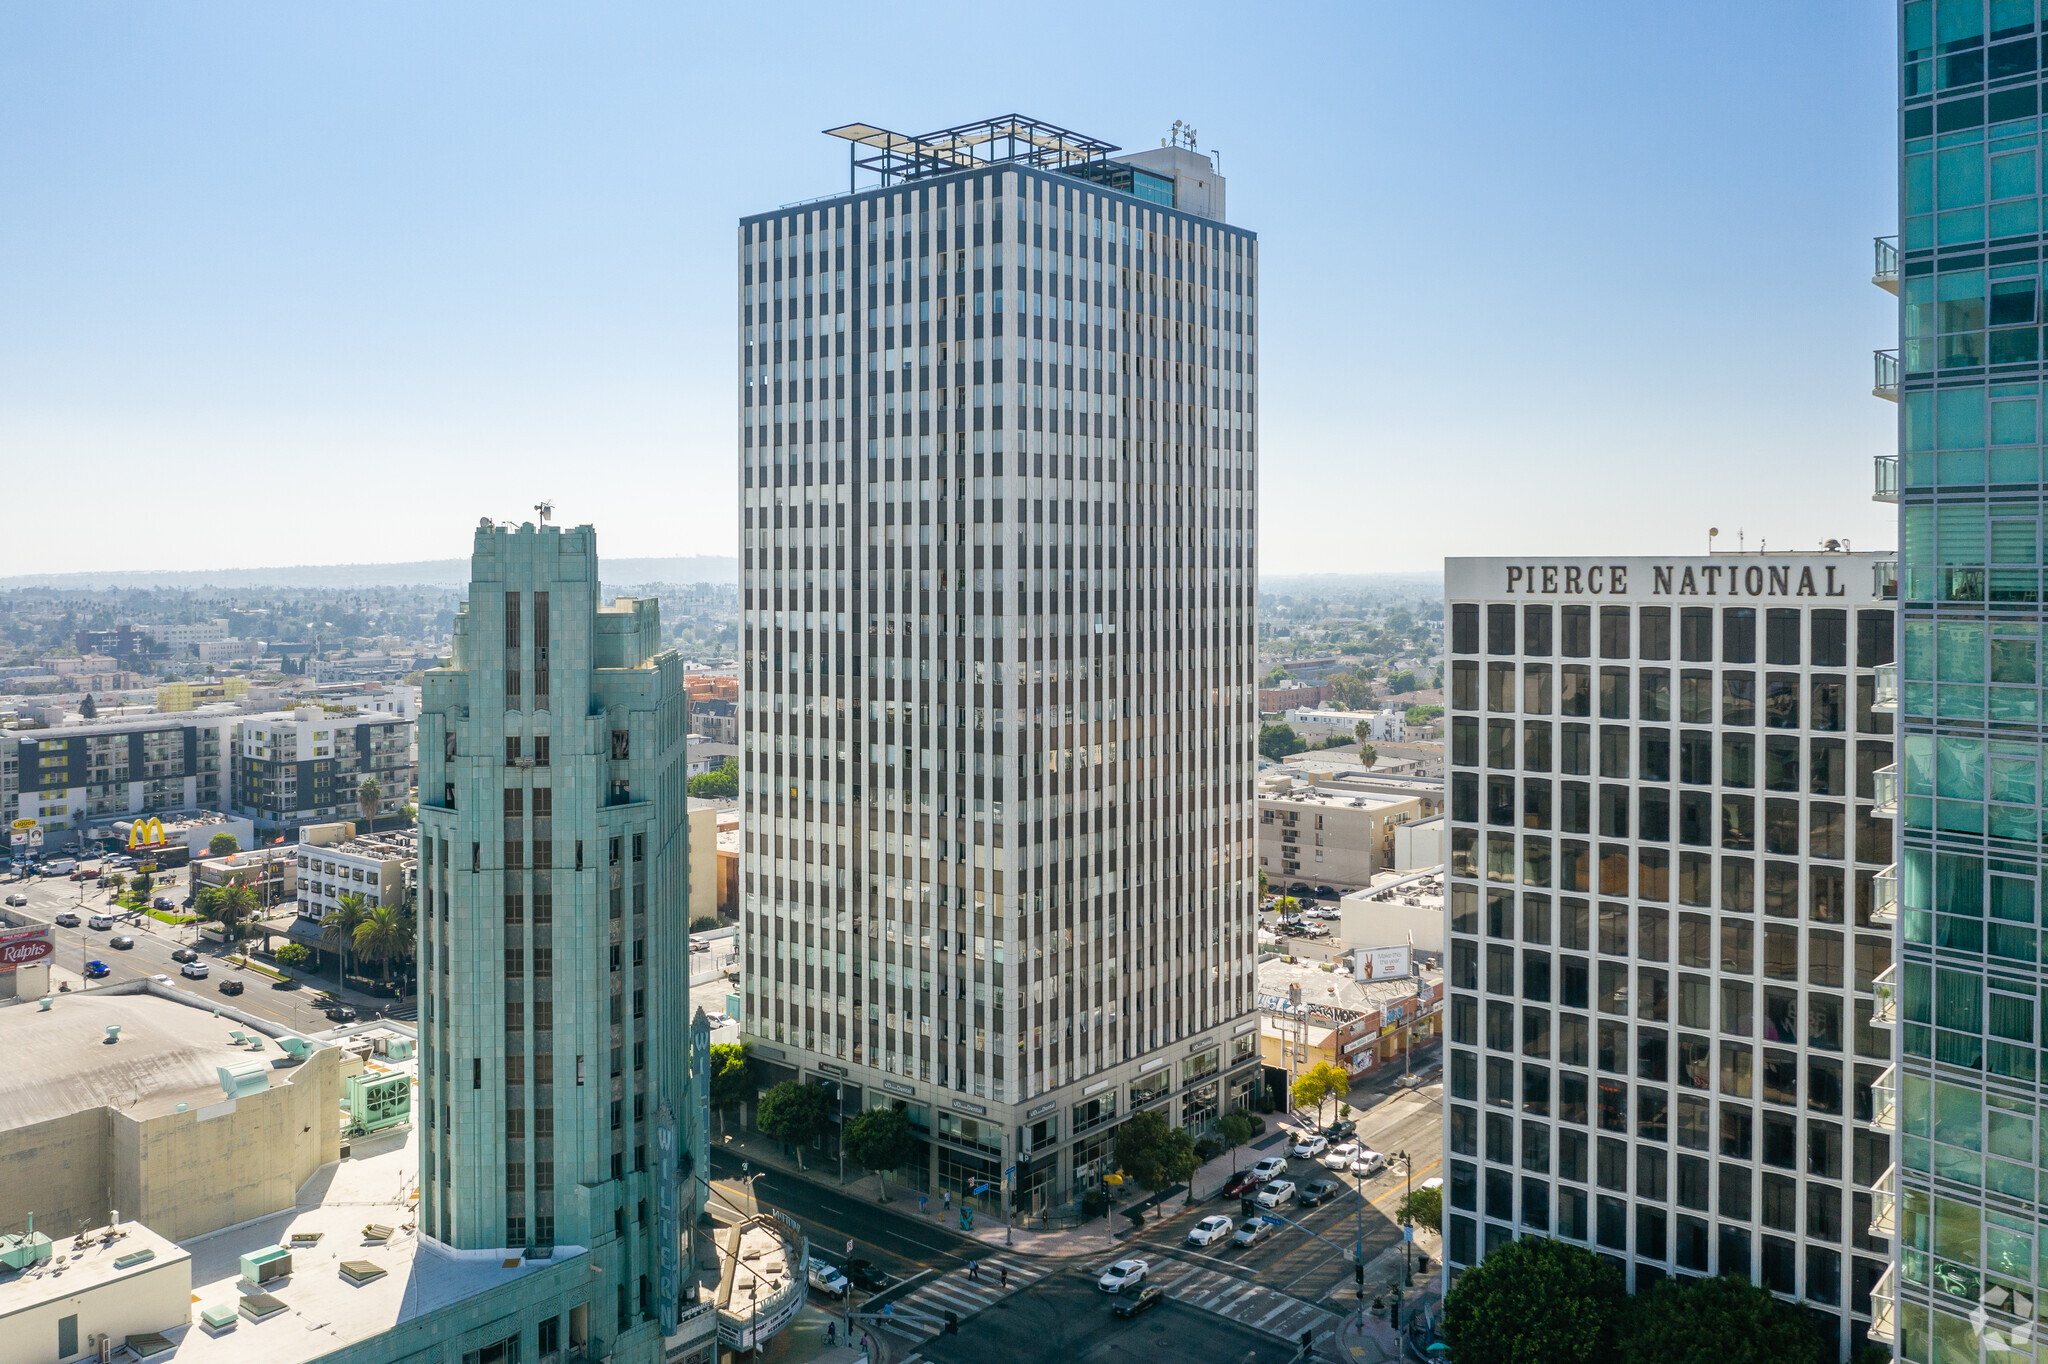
101,921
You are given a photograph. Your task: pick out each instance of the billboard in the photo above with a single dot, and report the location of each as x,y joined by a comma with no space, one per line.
25,947
1383,963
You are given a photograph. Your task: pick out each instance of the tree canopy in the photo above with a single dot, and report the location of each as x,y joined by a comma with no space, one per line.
722,784
879,1139
1276,741
1319,1085
731,1075
221,844
794,1112
1154,1152
1425,1208
1537,1301
1723,1320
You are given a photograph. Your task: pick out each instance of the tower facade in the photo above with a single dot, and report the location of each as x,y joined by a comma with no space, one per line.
1970,1255
553,930
998,468
1669,953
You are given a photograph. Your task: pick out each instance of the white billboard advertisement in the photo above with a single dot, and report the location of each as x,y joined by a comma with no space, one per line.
1383,963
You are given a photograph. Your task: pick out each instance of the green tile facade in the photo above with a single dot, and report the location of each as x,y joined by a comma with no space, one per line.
553,914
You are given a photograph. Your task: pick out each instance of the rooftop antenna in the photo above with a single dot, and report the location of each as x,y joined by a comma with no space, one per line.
1712,531
546,510
1741,540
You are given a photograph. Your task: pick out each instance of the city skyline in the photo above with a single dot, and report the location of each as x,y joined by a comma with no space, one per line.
416,258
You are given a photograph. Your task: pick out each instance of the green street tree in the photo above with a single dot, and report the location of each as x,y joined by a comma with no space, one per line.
795,1113
369,796
1537,1301
1368,755
879,1140
1236,1129
232,905
1154,1152
732,1077
722,784
384,936
221,844
1276,741
338,930
1424,1207
1723,1320
1318,1086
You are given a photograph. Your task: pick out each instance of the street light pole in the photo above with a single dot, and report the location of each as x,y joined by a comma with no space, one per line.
1407,1217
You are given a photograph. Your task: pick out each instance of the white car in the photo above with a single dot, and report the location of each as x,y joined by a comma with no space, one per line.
1123,1274
1254,1230
17,900
1311,1146
1367,1162
1340,1157
826,1278
1272,1167
1276,1194
717,1021
1210,1230
193,970
101,922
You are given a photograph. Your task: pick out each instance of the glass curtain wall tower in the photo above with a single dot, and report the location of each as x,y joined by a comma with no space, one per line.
998,459
553,931
1970,1260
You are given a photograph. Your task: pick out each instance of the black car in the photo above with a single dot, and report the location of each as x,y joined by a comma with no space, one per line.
1341,1130
340,1013
1149,1297
183,954
122,941
1316,1191
230,986
866,1276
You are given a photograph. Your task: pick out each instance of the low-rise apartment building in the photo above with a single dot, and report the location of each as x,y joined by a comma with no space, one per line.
1322,837
1382,726
67,776
307,765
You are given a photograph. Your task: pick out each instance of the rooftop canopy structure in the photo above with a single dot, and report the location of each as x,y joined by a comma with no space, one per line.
1009,138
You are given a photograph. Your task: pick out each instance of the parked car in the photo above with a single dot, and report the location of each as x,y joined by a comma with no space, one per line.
866,1276
1316,1191
826,1278
1272,1167
194,970
1210,1229
1123,1274
717,1020
184,954
1340,1157
1240,1185
67,920
1276,1194
696,946
1367,1162
1341,1130
1149,1297
230,986
1254,1230
1311,1146
95,969
164,902
122,941
101,921
17,900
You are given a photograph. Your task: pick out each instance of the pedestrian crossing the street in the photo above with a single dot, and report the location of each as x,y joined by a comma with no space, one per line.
1246,1303
964,1296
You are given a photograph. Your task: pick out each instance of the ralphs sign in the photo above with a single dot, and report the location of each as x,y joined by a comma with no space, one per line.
25,947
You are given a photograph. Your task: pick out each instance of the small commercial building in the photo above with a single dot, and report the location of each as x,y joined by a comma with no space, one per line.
124,1285
1326,839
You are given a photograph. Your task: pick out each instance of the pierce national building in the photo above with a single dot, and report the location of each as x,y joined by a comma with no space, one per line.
1670,935
557,1058
998,464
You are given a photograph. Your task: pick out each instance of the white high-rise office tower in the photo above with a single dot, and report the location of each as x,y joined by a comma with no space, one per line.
1670,927
998,477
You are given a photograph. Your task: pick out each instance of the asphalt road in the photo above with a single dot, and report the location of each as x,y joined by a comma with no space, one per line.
294,1005
1064,1317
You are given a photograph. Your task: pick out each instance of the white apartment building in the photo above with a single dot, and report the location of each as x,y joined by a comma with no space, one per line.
998,463
1664,849
376,867
1384,726
180,638
1316,839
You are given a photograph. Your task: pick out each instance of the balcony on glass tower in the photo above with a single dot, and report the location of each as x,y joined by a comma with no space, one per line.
1885,484
1884,1101
1884,579
1885,1012
1884,266
1885,377
1884,897
1885,788
1884,695
1884,1307
1884,1203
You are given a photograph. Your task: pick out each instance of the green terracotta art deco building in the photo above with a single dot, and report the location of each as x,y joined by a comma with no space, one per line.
556,1048
1964,1204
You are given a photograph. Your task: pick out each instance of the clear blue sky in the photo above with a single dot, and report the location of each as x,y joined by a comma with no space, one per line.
325,283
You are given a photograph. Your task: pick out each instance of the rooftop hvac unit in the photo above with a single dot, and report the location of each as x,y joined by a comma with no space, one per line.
244,1077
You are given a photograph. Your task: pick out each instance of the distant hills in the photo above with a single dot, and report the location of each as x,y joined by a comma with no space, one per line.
694,568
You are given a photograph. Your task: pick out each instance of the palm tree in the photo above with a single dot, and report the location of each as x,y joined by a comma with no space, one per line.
338,929
231,904
384,936
369,796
